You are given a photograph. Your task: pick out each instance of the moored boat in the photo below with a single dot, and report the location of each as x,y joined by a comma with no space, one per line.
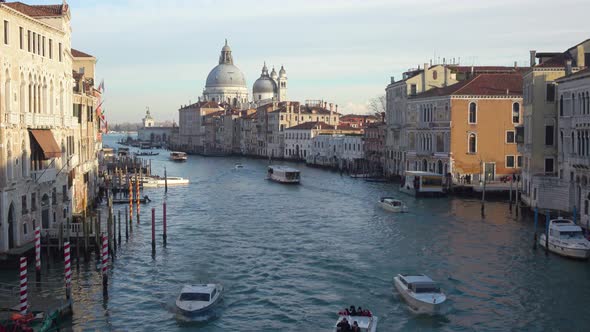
158,181
283,174
566,239
195,299
145,199
422,294
393,205
178,156
141,154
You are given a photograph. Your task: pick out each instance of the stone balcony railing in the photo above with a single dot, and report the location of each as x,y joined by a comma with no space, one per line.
45,175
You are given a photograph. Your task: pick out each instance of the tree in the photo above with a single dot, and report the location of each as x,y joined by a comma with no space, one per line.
377,106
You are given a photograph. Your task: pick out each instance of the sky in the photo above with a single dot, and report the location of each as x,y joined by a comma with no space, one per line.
157,54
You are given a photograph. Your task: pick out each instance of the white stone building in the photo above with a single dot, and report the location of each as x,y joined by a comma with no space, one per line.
40,138
337,151
573,157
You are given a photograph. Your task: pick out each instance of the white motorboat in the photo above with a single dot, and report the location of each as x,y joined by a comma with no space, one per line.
393,205
422,294
365,323
178,156
566,239
239,166
195,299
157,181
283,174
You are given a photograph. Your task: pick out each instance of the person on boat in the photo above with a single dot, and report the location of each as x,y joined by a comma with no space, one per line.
353,311
343,326
359,311
344,312
355,327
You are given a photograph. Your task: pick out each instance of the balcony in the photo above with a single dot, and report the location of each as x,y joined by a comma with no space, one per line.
44,120
45,175
28,119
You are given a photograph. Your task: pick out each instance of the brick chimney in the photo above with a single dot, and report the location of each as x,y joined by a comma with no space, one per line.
424,77
568,67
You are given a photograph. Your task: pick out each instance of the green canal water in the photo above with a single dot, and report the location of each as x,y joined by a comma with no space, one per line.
290,257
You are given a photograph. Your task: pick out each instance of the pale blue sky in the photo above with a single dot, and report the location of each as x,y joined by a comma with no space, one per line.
158,53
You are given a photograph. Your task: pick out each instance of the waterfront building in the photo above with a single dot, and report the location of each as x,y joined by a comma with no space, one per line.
573,145
538,137
358,121
47,152
374,138
467,128
191,128
299,138
152,134
339,151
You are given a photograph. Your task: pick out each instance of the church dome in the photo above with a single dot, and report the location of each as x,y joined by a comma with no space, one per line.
264,85
225,75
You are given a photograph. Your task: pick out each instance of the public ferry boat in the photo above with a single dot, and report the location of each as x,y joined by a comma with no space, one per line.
392,205
178,156
283,174
196,299
422,294
365,322
419,183
566,239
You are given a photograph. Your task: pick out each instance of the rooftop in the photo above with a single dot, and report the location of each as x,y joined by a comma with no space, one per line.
38,10
80,54
480,85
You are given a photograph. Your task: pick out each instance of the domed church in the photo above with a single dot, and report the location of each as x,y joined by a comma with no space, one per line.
226,84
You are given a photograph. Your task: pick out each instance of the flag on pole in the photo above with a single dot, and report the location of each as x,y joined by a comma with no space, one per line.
101,86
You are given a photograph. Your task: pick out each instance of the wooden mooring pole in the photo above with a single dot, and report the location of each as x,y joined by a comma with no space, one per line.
119,227
536,222
38,254
105,265
164,235
153,231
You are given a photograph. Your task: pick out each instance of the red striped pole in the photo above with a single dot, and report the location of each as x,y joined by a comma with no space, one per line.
137,197
68,269
105,263
24,304
38,253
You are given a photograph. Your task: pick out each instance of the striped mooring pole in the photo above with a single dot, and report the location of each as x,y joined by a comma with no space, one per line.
38,253
24,304
130,199
68,269
137,197
105,264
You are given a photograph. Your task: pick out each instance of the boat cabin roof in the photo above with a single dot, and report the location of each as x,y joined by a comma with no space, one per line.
562,221
199,288
418,278
422,173
177,152
568,228
283,168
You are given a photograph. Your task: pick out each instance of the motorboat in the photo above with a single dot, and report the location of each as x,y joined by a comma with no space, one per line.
239,166
422,184
422,294
360,175
366,323
150,153
393,205
566,239
283,174
144,200
195,299
158,181
178,156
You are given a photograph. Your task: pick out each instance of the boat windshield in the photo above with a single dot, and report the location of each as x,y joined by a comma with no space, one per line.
572,235
194,297
426,288
292,175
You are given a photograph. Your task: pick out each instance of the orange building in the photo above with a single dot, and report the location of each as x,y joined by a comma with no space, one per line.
466,128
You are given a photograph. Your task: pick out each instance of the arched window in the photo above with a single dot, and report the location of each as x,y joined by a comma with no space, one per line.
472,112
573,104
561,105
434,75
516,113
472,144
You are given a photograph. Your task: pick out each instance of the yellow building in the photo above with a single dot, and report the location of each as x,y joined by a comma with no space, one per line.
467,128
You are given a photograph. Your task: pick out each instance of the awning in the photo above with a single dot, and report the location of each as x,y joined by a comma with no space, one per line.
45,139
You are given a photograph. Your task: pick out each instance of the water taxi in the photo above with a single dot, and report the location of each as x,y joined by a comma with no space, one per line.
178,156
422,294
158,181
238,166
566,239
418,183
196,299
283,174
393,205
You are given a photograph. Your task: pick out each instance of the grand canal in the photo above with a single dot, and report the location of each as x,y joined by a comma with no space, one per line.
291,256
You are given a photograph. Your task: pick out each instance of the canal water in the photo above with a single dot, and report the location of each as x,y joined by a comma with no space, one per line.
290,257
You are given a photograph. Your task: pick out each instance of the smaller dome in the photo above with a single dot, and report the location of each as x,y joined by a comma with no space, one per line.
264,85
226,47
282,72
273,74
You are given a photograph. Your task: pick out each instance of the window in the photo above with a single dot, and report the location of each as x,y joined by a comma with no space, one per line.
516,113
61,58
6,32
21,37
548,165
24,204
413,89
472,143
29,40
34,41
509,161
50,48
43,46
33,202
510,136
550,93
434,75
549,135
561,105
472,112
519,161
